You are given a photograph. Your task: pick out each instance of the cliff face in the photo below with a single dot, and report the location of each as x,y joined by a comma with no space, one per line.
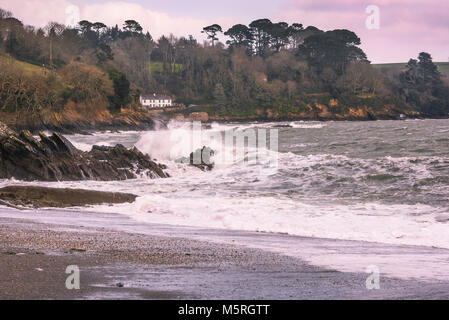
315,111
55,159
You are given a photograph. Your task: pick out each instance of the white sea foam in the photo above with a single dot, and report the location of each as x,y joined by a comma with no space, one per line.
374,222
304,125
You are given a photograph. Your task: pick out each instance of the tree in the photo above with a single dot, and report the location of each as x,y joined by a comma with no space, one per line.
104,53
295,32
212,32
133,27
429,69
240,36
360,78
332,49
5,14
148,36
85,26
114,33
423,87
279,33
54,30
412,73
98,26
422,73
261,32
91,37
121,90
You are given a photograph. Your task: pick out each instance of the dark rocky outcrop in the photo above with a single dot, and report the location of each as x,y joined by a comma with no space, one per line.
54,158
39,197
202,158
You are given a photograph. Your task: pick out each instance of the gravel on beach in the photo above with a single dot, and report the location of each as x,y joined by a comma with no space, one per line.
119,265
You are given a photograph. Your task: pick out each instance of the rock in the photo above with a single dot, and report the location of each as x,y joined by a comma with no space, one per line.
40,197
28,137
201,158
104,148
63,144
54,158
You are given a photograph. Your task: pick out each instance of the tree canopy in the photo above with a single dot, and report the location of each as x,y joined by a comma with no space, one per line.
265,65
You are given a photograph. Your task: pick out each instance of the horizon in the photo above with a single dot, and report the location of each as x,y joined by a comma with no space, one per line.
404,30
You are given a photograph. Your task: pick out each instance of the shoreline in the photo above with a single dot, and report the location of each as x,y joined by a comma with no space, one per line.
125,265
92,129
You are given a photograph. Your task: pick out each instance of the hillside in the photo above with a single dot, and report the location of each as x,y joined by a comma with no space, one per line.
72,99
26,67
92,76
443,67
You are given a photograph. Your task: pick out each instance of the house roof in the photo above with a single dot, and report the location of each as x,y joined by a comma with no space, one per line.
155,96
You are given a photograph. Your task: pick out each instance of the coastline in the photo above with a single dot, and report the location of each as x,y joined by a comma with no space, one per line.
125,265
129,120
149,121
128,256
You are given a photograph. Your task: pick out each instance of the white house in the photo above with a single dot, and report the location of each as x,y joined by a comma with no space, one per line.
155,100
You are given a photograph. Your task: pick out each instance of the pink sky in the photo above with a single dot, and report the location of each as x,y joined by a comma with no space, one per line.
406,27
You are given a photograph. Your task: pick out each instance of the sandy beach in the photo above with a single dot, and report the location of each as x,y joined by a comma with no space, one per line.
122,265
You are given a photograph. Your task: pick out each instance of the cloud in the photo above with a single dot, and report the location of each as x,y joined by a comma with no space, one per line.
40,12
406,27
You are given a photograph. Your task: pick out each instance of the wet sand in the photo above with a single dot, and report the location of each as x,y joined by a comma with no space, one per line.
120,265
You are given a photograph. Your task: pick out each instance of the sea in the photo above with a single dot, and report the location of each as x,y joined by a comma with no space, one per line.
382,184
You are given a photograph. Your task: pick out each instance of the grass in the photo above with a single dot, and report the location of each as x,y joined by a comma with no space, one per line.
25,66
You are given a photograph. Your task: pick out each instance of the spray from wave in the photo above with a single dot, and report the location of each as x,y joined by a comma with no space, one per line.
231,145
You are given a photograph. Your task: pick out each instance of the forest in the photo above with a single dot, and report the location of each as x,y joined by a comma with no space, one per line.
264,65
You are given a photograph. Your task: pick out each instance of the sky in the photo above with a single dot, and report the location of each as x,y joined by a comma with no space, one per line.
397,30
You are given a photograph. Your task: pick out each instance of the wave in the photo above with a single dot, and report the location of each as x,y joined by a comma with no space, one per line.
231,144
315,193
373,222
304,125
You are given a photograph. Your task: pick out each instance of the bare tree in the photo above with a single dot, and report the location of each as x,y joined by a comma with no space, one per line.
5,14
53,30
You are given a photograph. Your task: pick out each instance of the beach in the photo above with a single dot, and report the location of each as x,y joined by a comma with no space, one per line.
121,265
